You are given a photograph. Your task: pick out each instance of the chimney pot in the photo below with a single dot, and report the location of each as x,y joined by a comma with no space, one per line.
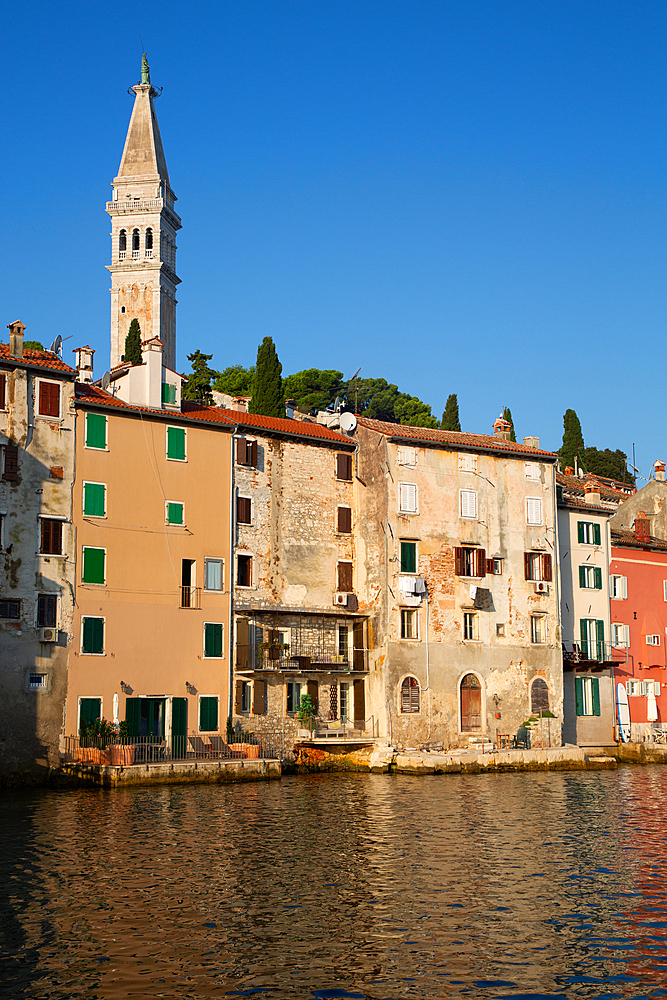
569,471
16,338
659,471
642,527
502,429
592,493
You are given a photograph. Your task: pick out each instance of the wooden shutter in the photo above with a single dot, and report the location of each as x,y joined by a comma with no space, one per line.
243,510
251,454
468,501
597,534
241,451
405,696
238,699
459,561
344,520
49,399
546,567
52,534
595,684
3,391
408,498
11,464
179,716
311,691
599,635
345,577
259,698
359,703
480,562
528,565
582,576
344,467
580,532
598,578
47,608
579,694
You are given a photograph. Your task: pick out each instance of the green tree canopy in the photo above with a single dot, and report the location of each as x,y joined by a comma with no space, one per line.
450,418
612,464
507,415
573,441
197,387
268,397
313,389
380,400
33,345
235,380
133,344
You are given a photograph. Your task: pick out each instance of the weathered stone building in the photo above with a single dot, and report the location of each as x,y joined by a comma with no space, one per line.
37,544
298,631
457,570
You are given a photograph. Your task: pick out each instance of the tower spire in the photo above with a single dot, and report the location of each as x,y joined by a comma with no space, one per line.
143,232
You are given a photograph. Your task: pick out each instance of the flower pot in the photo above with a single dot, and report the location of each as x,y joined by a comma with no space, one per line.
250,750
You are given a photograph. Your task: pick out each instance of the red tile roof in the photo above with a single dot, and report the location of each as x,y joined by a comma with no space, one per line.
459,439
628,540
38,359
575,485
582,505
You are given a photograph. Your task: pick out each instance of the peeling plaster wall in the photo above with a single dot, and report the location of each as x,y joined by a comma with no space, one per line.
505,665
652,501
30,734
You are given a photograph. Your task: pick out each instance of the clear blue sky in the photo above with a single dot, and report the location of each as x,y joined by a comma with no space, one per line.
461,197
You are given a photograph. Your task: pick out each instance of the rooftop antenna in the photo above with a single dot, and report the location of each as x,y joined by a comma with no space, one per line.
356,391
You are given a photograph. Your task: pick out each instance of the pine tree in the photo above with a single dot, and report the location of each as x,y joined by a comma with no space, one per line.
450,418
133,344
573,441
267,393
507,415
197,388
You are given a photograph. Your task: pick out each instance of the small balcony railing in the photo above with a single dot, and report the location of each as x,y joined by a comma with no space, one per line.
156,750
591,651
191,597
149,253
135,255
122,254
302,657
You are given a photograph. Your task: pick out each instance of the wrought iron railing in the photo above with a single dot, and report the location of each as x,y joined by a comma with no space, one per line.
190,597
592,651
302,657
155,750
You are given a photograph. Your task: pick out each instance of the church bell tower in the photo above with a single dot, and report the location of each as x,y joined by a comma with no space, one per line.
144,224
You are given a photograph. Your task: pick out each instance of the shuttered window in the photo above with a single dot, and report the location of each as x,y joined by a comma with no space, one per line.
92,635
10,608
246,452
10,465
176,443
3,392
259,697
468,503
243,510
467,463
410,695
618,588
345,577
94,565
96,430
94,499
344,524
588,533
51,541
49,399
587,691
212,639
408,557
537,566
344,467
407,498
208,714
469,562
89,710
175,512
47,609
533,510
168,393
590,577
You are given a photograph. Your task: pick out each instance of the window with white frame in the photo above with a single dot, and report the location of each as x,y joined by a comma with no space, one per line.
538,629
653,640
409,624
620,635
48,399
534,510
406,456
407,498
531,470
588,533
213,574
590,577
36,681
468,504
618,588
471,626
174,512
633,689
664,589
467,463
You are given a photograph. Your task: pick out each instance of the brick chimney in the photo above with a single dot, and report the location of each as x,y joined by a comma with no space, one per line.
592,494
659,471
642,527
502,428
16,338
569,471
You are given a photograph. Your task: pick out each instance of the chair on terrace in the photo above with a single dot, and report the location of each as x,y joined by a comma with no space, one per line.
522,739
199,748
220,748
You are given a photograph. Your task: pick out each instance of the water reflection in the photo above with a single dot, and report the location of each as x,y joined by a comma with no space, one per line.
535,885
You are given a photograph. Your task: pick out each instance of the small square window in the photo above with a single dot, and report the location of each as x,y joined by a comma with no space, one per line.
37,681
409,624
467,462
531,470
92,635
10,608
406,456
213,640
48,404
174,512
471,626
500,629
408,557
494,567
168,393
243,571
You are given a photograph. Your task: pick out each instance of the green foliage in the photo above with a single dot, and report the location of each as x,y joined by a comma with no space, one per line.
267,392
235,380
450,418
230,729
306,711
612,464
313,389
124,731
133,344
573,441
507,415
98,729
33,345
382,401
197,388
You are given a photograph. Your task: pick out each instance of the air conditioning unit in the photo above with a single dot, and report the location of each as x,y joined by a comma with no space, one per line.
48,635
541,587
340,600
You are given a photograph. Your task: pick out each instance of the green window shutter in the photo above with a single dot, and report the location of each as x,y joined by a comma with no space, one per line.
596,534
175,513
93,635
583,630
93,565
579,694
93,499
212,639
176,443
179,716
96,430
208,714
133,716
408,557
89,710
168,393
596,696
598,578
580,531
582,576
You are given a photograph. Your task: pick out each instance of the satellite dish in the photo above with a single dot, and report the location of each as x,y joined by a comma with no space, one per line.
56,345
106,378
348,422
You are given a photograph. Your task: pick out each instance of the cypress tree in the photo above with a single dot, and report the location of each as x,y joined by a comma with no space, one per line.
507,415
133,344
450,418
573,441
197,388
267,390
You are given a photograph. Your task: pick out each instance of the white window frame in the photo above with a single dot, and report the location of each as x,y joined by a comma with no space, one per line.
404,493
217,698
245,586
620,635
104,640
414,617
467,462
497,566
471,617
90,482
633,688
538,630
468,504
589,532
587,696
48,593
589,575
531,471
618,587
294,682
653,640
214,590
406,456
86,583
203,642
49,381
172,524
91,447
88,697
664,589
175,427
44,680
530,501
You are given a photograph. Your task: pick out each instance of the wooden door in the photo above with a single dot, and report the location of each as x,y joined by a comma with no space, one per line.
179,727
471,704
358,651
359,705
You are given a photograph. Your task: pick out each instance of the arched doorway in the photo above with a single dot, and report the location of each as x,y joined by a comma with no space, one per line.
471,704
539,696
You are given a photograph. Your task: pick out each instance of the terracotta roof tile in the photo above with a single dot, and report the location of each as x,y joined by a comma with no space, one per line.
40,359
582,505
628,540
461,439
576,485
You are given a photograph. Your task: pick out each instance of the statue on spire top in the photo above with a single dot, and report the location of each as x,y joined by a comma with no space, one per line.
145,69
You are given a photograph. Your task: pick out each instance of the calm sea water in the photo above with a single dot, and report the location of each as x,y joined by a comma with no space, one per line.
538,885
